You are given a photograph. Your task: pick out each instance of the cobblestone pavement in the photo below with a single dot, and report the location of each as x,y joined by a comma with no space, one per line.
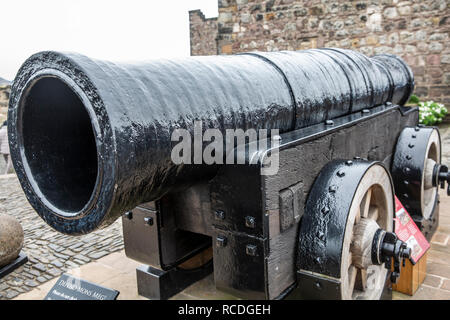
50,253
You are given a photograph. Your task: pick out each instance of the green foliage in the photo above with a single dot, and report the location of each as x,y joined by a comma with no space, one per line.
431,113
413,100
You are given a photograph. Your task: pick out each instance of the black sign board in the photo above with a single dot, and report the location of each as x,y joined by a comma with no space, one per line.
71,288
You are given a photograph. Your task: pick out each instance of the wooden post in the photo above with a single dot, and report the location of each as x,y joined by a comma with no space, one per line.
411,276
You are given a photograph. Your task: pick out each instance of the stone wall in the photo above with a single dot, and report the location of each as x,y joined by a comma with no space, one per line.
204,35
418,31
4,97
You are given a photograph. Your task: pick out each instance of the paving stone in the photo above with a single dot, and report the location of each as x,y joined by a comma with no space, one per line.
11,294
32,260
76,245
446,285
57,263
43,260
35,272
429,293
41,279
72,264
28,275
54,272
21,289
440,238
62,256
432,281
67,252
55,247
16,282
98,255
40,267
31,283
82,258
80,262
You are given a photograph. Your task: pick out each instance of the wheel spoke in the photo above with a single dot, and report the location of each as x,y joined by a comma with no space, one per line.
373,213
361,280
358,216
365,204
352,273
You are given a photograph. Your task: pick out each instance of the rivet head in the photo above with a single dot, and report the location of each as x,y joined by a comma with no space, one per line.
340,173
221,241
325,210
219,214
411,145
129,215
407,170
276,138
349,162
405,196
365,111
332,189
406,182
414,136
318,260
416,128
357,158
320,235
148,221
329,122
250,222
251,250
408,157
318,285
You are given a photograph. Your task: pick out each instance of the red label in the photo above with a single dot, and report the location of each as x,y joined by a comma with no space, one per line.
407,231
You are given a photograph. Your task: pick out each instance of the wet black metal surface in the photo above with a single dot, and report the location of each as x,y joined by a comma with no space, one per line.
133,109
151,237
157,284
408,167
322,228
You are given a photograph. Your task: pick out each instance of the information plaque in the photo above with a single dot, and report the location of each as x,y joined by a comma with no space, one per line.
407,231
70,288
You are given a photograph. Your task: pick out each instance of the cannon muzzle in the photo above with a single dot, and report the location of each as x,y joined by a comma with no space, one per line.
91,139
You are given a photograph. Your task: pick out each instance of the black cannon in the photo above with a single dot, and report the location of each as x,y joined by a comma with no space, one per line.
92,141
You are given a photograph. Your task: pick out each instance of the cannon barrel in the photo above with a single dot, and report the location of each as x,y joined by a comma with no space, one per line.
91,139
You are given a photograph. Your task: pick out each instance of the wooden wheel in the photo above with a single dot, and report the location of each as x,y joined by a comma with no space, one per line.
428,191
418,150
348,203
371,209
